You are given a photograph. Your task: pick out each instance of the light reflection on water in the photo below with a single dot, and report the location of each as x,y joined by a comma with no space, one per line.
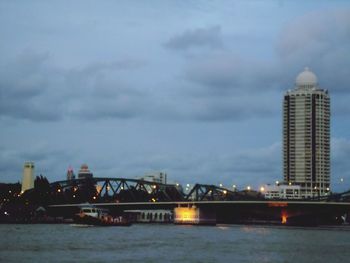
169,243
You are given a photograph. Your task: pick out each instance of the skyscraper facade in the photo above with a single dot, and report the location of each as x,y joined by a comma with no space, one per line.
306,136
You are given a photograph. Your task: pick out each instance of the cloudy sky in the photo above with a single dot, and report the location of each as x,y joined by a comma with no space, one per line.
192,88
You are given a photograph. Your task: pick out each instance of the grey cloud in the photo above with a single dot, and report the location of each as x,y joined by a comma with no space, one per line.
125,64
320,40
33,88
23,85
103,98
229,108
224,86
228,71
124,108
202,37
20,78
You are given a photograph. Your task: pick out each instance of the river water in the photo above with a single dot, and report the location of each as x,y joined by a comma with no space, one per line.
170,243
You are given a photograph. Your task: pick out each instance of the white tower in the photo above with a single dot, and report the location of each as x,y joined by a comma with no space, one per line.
306,136
28,176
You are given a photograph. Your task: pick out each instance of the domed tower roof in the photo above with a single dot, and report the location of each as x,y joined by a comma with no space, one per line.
306,79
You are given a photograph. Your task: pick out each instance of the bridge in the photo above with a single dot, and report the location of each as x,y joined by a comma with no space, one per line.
120,194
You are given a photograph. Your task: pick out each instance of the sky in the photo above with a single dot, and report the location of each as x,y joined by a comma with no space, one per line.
191,88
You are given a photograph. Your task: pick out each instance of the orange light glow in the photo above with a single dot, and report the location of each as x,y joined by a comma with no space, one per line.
284,218
98,188
186,214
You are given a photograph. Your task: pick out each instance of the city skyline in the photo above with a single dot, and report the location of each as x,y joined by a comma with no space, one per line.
197,95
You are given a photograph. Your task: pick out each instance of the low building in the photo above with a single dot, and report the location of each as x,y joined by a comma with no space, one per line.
150,216
281,191
155,177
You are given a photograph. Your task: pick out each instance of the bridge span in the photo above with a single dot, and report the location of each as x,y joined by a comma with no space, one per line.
64,198
249,211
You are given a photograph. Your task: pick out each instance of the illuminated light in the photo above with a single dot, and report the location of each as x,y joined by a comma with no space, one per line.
327,189
122,188
277,182
234,186
153,200
210,192
188,185
154,186
290,183
220,185
225,192
108,187
10,192
177,184
73,196
75,189
98,188
341,179
94,198
284,219
315,187
186,214
248,188
262,189
59,190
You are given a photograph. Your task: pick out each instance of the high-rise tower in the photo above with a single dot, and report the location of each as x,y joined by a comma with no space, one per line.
28,176
306,136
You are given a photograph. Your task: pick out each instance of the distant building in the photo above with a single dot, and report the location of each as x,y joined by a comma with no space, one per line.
28,176
84,172
281,191
70,174
306,136
156,177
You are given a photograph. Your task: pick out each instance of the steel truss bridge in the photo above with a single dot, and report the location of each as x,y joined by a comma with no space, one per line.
122,190
121,194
